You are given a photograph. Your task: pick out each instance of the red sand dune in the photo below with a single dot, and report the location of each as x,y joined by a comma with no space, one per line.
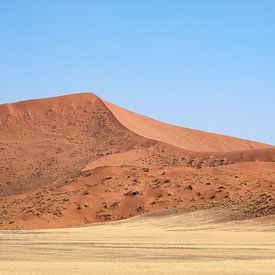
78,159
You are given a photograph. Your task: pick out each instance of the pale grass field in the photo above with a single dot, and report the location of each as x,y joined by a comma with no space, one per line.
180,244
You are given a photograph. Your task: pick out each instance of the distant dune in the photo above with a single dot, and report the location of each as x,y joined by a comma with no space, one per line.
77,159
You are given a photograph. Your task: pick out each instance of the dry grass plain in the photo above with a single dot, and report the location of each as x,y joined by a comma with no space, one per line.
192,243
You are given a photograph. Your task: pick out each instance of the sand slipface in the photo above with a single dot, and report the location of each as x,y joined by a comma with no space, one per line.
77,159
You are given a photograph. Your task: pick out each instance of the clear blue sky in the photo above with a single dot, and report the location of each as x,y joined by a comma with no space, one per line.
205,64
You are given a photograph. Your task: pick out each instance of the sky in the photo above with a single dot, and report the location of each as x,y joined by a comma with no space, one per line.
207,65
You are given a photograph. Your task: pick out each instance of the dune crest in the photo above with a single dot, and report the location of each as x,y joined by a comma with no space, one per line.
185,138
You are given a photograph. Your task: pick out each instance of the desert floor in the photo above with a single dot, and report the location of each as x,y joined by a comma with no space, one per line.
192,243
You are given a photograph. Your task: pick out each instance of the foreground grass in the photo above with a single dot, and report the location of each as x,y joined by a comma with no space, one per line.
181,244
186,268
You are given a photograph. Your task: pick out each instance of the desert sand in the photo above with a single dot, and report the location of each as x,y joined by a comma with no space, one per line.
87,187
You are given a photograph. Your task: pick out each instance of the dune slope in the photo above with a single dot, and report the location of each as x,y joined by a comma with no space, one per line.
44,140
114,193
